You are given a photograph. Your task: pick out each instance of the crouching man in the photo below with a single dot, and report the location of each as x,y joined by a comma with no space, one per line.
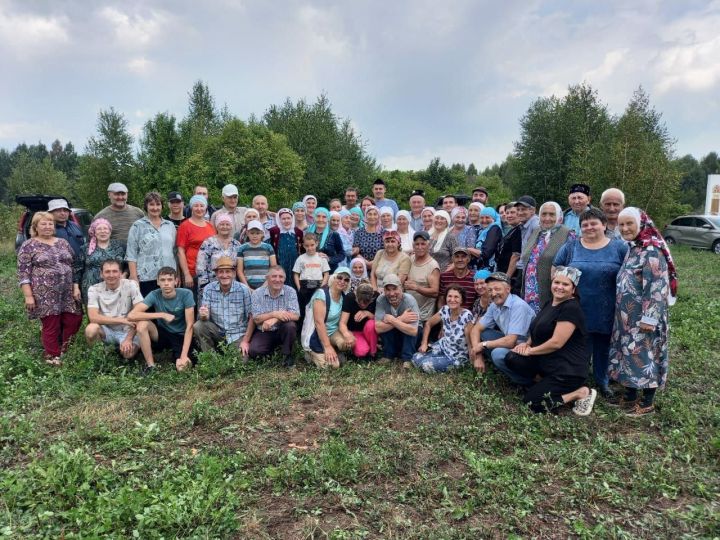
170,323
224,312
396,321
109,304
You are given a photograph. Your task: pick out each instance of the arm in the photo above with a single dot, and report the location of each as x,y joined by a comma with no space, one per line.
94,316
241,271
182,260
655,283
339,250
187,338
296,280
373,275
432,321
139,313
489,246
512,266
319,310
563,331
132,267
404,323
325,279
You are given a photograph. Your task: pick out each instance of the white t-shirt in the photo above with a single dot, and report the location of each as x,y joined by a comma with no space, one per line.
114,302
311,267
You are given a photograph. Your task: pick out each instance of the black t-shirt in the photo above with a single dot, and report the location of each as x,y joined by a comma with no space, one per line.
351,306
510,243
176,222
572,359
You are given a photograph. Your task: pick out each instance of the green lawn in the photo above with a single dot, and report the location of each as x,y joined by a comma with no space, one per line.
253,451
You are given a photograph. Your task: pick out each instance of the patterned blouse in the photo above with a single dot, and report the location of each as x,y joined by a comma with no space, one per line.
368,242
150,248
93,262
453,343
210,251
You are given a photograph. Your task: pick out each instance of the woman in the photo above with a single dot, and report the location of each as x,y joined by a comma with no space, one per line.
482,302
298,210
356,219
366,203
330,245
337,226
150,245
387,222
540,252
442,243
250,215
220,245
406,232
389,260
310,202
287,241
335,205
358,273
358,319
327,335
556,351
427,216
474,209
451,350
368,240
599,259
646,285
347,223
49,277
100,248
465,233
488,237
190,236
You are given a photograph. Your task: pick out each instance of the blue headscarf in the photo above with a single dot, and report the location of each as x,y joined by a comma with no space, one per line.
488,211
482,274
312,228
359,212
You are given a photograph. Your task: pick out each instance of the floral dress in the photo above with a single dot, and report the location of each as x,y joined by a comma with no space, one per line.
639,359
451,350
93,262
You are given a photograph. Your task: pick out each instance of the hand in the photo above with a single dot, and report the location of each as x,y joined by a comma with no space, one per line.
244,348
409,316
423,347
522,349
137,280
204,313
76,292
189,281
323,255
182,363
478,348
360,315
168,317
644,327
479,364
349,340
126,346
268,324
29,303
410,285
284,316
331,357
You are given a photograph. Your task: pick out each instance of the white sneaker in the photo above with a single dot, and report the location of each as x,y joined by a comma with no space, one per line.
584,406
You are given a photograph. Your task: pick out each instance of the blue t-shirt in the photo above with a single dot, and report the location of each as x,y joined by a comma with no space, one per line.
176,305
256,262
599,269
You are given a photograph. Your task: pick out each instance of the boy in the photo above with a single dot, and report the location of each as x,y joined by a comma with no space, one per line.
174,314
310,272
255,257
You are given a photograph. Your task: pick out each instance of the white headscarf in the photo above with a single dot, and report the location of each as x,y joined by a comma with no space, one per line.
406,239
440,238
279,221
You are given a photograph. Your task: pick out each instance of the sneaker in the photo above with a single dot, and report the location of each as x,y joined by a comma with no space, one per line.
639,410
584,406
606,392
289,361
384,361
148,370
407,364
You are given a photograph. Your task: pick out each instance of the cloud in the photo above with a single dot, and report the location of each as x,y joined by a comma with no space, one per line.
323,31
23,131
134,31
27,34
139,65
610,63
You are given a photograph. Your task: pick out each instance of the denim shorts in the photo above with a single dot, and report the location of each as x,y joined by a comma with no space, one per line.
116,337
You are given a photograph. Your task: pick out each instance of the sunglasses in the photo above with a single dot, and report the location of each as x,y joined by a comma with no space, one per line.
342,278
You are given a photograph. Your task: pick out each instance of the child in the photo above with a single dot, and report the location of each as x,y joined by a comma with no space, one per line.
358,273
310,272
255,257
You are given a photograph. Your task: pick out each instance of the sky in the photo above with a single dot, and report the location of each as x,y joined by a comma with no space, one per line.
417,79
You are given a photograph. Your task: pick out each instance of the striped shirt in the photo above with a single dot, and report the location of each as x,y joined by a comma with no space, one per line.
256,262
231,310
467,283
121,220
263,302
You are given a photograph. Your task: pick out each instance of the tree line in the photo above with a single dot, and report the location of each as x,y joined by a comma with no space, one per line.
300,147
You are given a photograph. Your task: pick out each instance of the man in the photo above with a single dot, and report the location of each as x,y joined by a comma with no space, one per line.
202,190
461,275
267,219
173,315
275,311
423,281
109,303
480,194
505,324
224,312
230,207
612,202
417,205
351,198
396,322
120,214
449,202
176,205
526,207
579,199
66,228
379,194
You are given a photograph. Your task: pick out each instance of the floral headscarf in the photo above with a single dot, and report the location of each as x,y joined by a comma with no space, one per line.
91,233
291,229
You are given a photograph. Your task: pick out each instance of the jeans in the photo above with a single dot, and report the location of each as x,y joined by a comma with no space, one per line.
598,345
498,357
434,362
395,344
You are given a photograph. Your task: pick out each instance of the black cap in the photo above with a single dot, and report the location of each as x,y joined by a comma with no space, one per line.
481,189
421,234
175,196
379,181
417,192
580,188
527,201
498,276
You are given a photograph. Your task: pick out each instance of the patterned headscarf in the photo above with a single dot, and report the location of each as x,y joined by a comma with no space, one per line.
91,233
570,272
195,199
280,225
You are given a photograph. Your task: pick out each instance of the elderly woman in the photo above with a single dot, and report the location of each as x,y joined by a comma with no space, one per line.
100,248
287,241
250,215
190,236
298,210
427,216
368,240
150,245
540,252
310,202
451,350
389,260
482,302
220,245
646,285
442,243
49,275
358,319
358,273
488,237
387,219
330,244
357,216
556,351
405,230
327,305
336,225
465,233
599,259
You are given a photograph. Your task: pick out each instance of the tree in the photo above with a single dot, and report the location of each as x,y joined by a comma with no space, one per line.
64,159
30,176
5,171
472,170
159,150
202,120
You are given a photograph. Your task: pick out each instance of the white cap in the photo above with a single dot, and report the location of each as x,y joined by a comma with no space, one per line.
254,224
56,204
117,187
229,190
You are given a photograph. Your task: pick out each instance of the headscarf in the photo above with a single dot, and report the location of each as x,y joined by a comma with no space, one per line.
373,207
358,211
482,274
198,199
440,236
308,216
482,235
306,197
326,231
558,219
362,261
570,272
297,205
91,233
223,218
428,208
406,239
648,235
455,211
282,211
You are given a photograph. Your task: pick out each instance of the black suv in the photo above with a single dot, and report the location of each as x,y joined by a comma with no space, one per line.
39,203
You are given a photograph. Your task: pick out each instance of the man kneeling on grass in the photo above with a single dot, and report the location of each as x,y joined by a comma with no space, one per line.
109,303
173,310
224,311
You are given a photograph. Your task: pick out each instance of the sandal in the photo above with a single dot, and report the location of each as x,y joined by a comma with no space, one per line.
53,361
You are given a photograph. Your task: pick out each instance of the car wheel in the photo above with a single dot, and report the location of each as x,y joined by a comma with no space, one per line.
716,246
670,240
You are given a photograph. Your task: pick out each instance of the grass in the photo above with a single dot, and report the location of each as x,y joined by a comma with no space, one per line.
254,451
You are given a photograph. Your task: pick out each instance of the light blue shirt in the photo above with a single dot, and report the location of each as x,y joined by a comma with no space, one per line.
231,310
150,248
513,317
389,203
572,221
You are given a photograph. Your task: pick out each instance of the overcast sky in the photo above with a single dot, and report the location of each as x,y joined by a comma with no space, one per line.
418,78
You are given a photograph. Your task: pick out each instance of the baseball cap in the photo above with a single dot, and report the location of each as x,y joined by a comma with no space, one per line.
527,201
175,196
229,190
56,204
342,270
117,187
421,234
461,249
255,224
224,262
481,189
391,279
498,276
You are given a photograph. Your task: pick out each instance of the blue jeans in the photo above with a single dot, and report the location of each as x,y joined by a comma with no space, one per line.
598,345
498,357
395,344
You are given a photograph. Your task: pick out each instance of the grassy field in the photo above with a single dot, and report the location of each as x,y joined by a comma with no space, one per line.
253,451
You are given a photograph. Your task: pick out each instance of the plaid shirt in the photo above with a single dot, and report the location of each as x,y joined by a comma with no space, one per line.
263,303
231,310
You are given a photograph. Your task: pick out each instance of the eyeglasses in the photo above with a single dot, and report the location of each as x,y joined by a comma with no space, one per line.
342,278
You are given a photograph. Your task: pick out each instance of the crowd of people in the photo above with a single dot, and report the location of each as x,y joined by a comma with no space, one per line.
537,293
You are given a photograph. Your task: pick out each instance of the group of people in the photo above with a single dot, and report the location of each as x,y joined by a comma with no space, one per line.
539,293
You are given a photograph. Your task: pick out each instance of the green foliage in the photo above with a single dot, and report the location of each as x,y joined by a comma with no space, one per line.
157,159
693,179
30,176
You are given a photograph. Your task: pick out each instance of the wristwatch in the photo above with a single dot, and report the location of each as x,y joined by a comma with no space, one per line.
484,344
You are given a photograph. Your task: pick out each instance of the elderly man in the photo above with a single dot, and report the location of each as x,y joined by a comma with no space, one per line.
417,205
203,191
480,194
224,312
176,206
120,214
396,321
266,219
612,202
275,311
505,324
66,228
379,194
230,207
579,200
526,207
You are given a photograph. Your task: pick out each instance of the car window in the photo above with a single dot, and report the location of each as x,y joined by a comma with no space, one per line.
683,222
716,221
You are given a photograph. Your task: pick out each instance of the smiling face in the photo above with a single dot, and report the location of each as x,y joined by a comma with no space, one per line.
628,228
459,220
321,221
578,202
350,198
499,291
61,215
341,281
346,221
402,224
378,191
371,217
592,229
225,276
260,204
523,213
479,196
276,280
449,203
417,203
386,220
230,201
391,245
286,220
176,207
440,223
111,274
548,216
335,205
612,205
255,236
481,287
198,210
562,288
365,204
354,220
118,199
358,268
460,260
310,205
102,233
224,228
453,299
335,222
394,294
486,221
474,215
299,214
420,247
427,220
511,216
154,209
251,214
